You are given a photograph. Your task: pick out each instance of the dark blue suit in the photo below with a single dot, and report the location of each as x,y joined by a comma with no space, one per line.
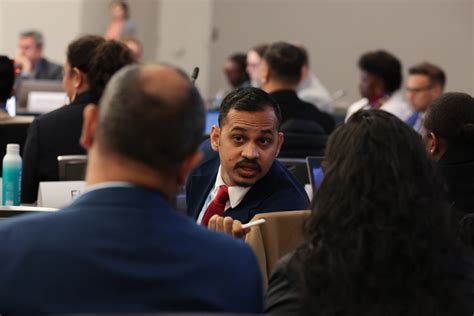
122,250
277,191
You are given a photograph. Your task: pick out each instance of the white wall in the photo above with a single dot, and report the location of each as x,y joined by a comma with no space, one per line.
337,32
184,37
59,20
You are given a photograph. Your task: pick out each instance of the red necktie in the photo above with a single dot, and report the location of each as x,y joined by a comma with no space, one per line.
217,205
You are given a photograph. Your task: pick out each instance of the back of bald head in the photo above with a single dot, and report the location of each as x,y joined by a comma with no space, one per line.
151,114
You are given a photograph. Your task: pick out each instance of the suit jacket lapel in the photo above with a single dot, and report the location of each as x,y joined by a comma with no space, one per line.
201,184
254,197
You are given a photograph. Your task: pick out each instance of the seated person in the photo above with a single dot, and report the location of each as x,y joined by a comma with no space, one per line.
7,79
380,82
240,173
235,71
280,73
90,62
30,61
425,83
378,241
449,137
120,247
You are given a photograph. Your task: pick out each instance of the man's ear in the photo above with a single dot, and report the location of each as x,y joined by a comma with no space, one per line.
304,73
280,141
89,125
188,164
264,72
215,137
432,145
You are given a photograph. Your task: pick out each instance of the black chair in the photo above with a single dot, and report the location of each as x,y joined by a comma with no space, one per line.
302,139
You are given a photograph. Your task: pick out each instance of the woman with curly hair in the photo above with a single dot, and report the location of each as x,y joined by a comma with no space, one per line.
379,240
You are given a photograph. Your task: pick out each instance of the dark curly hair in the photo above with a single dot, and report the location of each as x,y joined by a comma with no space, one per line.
451,116
108,58
384,65
379,240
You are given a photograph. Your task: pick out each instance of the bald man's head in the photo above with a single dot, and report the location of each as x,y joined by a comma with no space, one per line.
151,114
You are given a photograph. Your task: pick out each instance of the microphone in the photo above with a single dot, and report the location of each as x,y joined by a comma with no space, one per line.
195,74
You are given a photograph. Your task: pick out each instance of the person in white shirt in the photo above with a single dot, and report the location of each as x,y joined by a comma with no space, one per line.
311,89
380,81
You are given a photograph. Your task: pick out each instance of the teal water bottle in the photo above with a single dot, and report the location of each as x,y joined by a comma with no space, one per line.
11,188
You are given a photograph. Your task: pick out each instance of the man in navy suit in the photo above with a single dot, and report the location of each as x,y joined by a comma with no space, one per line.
241,156
120,247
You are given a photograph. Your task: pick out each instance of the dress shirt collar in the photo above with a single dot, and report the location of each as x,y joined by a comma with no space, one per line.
236,193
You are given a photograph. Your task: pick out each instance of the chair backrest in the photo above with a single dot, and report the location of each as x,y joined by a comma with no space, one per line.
280,234
72,168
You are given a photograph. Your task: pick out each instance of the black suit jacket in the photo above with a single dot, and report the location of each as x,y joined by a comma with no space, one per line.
50,135
277,191
457,168
294,108
48,70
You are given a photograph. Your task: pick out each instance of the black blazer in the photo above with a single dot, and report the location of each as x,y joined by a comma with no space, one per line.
48,70
293,107
49,136
277,191
457,168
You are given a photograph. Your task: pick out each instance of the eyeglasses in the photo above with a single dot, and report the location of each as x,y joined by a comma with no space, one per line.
417,90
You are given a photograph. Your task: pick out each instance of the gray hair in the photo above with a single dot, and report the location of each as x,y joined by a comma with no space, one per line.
150,128
37,36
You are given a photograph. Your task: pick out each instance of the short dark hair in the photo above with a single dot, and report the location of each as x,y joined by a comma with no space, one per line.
36,35
240,59
149,128
285,61
108,58
451,116
7,78
433,72
80,51
384,65
248,99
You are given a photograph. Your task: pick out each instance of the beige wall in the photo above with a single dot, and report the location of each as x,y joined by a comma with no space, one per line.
337,32
59,20
184,37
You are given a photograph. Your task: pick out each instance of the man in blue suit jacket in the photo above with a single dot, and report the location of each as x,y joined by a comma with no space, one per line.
120,247
247,142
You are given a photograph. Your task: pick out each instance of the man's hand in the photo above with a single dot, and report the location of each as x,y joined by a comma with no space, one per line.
228,226
23,63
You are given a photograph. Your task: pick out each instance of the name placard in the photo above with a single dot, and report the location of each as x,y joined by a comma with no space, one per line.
58,194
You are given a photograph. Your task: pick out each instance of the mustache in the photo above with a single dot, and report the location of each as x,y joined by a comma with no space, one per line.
247,163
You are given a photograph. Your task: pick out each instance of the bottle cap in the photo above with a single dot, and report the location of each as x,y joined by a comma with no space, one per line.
13,148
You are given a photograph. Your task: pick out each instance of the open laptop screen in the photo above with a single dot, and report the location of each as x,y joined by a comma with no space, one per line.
315,171
212,118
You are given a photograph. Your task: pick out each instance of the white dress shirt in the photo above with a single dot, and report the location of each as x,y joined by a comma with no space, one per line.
236,195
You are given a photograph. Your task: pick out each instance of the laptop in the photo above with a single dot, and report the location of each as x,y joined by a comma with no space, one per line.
315,171
40,96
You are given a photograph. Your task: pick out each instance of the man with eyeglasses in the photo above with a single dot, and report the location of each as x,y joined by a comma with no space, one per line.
425,83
